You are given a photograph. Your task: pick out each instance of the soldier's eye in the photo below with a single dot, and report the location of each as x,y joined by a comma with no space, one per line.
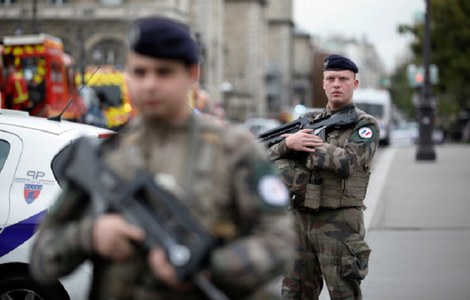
138,72
164,71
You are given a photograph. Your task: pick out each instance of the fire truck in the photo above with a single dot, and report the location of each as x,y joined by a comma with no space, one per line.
110,87
48,71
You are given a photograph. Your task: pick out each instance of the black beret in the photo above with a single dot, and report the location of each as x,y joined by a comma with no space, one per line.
339,63
163,38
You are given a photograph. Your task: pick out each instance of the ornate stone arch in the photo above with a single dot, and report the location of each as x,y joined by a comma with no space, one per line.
106,49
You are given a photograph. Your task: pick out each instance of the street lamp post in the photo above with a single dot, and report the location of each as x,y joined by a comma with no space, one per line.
426,110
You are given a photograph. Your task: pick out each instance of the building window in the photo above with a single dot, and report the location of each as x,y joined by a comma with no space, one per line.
8,2
108,53
58,2
111,2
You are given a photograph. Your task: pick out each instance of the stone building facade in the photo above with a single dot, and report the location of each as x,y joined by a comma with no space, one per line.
302,74
206,21
247,45
280,55
245,59
93,31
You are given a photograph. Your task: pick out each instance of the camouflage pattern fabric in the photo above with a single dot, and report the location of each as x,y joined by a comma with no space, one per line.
295,177
330,226
229,200
331,246
346,151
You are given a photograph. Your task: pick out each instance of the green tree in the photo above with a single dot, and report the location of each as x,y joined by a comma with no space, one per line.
400,92
450,51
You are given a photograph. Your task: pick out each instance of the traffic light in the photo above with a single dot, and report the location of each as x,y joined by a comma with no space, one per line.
419,78
415,75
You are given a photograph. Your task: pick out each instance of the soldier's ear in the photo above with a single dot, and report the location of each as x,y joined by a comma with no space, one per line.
194,72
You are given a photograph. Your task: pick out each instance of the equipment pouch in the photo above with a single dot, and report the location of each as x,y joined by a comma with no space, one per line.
296,178
313,195
355,259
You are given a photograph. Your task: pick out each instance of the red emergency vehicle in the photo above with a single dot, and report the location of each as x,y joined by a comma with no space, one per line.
48,71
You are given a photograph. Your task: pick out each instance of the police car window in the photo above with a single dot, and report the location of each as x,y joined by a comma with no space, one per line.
4,150
57,165
59,160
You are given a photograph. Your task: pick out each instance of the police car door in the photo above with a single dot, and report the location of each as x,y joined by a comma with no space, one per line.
11,147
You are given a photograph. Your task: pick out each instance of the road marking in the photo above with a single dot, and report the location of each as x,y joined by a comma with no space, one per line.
380,171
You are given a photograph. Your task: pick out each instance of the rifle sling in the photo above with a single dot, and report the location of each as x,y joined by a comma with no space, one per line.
191,157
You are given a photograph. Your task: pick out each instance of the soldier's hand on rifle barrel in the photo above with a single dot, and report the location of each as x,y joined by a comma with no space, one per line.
113,237
303,140
165,271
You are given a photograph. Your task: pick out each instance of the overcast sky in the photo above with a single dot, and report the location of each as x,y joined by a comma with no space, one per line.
378,20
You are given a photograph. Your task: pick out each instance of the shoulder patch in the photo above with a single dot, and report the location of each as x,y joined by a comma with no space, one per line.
273,191
366,133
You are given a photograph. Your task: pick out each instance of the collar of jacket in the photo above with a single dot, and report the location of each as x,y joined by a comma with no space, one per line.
329,111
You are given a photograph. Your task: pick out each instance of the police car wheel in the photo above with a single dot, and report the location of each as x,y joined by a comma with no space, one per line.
23,287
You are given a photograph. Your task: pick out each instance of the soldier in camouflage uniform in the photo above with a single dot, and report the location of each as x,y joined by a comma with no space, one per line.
330,178
235,193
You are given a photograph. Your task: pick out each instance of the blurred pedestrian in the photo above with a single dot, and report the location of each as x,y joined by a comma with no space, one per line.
331,177
233,191
16,90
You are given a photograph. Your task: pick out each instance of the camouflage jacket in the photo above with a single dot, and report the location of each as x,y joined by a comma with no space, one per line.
345,152
231,200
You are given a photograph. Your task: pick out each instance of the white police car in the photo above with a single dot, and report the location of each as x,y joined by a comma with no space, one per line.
31,150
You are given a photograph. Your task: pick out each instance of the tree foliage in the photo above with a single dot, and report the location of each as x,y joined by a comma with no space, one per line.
450,51
400,92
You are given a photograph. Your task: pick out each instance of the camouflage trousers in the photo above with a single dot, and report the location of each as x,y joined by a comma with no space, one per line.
330,246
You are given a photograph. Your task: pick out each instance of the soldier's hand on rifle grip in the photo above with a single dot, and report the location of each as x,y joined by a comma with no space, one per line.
113,237
163,270
303,140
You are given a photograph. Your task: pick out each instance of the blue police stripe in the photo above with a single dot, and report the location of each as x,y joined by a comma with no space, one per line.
15,235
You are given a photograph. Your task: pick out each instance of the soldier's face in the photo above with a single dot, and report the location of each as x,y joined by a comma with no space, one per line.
160,86
339,87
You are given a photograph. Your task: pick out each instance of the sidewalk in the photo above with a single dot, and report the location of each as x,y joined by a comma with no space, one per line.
419,225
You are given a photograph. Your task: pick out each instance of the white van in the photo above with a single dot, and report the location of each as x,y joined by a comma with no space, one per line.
31,150
377,103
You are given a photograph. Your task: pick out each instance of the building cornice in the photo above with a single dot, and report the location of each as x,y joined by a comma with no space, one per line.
261,2
289,22
90,12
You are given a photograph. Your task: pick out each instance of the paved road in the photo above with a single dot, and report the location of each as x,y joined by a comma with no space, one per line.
420,232
418,225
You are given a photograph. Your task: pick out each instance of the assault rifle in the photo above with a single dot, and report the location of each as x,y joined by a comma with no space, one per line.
167,223
341,119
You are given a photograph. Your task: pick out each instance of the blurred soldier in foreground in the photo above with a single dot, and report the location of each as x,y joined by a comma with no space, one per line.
234,191
328,181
